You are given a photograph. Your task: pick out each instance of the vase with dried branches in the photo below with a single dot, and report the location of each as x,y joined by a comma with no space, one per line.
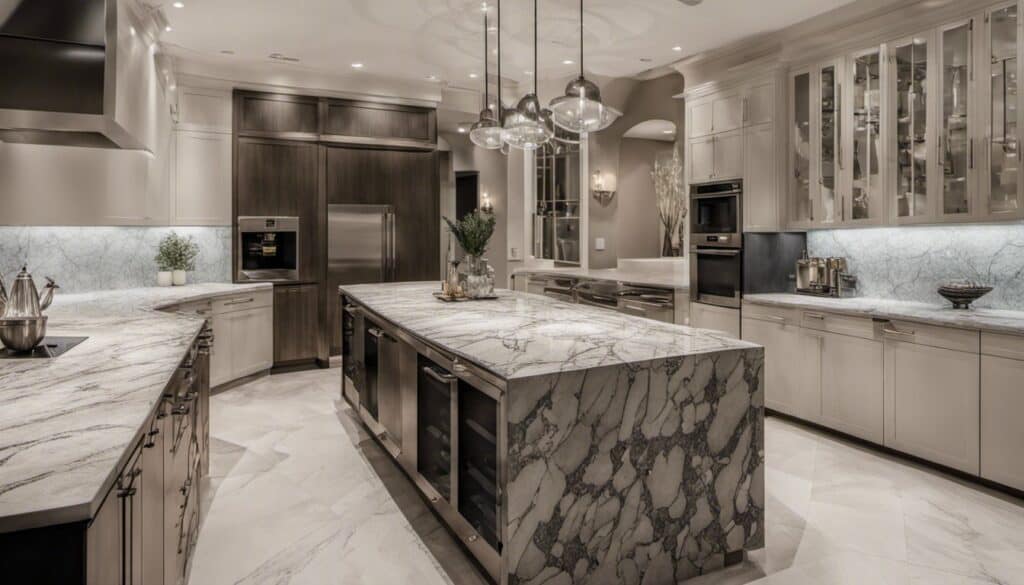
671,199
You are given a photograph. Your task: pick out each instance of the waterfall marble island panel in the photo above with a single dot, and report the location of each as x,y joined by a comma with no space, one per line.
630,451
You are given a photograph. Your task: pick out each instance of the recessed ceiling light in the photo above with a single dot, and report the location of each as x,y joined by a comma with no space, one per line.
483,7
668,131
473,76
168,28
568,62
227,52
462,130
432,78
178,5
357,65
677,48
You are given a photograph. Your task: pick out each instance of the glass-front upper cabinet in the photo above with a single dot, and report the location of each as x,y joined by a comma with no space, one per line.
1001,183
829,142
801,204
955,145
912,123
861,199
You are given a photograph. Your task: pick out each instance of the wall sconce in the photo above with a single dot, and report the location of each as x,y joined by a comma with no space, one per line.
485,204
603,187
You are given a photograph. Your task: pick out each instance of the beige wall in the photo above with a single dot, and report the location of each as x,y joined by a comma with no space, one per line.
649,100
493,169
637,225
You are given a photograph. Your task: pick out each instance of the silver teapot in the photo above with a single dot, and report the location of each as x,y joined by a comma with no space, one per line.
22,323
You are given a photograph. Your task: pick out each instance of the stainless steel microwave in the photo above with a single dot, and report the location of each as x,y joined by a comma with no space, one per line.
716,215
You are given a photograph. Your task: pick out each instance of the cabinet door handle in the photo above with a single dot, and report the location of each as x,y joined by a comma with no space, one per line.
890,331
768,318
374,332
817,316
457,367
240,301
443,378
745,116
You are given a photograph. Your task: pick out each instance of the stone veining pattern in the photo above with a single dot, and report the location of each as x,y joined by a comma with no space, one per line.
641,474
991,320
522,335
910,263
84,259
65,423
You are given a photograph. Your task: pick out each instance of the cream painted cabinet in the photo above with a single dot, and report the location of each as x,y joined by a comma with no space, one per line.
729,156
727,112
792,367
851,385
243,326
723,319
760,206
702,159
701,120
201,185
1002,401
932,396
759,104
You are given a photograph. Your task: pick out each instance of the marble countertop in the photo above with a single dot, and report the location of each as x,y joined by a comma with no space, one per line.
65,423
645,278
992,320
521,335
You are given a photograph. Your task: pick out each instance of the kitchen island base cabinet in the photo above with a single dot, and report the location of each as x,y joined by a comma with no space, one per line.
296,324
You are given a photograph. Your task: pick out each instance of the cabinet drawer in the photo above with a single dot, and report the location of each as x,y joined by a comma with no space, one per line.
243,302
1005,346
943,337
780,315
863,327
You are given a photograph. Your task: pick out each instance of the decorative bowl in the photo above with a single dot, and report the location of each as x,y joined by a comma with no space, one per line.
962,294
22,333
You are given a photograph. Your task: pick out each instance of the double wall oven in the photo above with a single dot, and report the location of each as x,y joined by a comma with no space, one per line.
716,250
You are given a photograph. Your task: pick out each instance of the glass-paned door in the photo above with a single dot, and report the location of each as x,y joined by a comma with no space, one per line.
912,120
829,142
956,158
1004,156
800,155
866,184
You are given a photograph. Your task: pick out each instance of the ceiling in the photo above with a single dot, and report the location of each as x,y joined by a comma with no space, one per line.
442,39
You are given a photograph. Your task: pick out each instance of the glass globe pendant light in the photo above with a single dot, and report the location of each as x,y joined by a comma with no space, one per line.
581,109
487,131
524,126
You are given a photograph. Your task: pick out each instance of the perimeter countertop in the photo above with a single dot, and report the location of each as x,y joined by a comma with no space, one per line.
673,280
520,335
65,423
990,320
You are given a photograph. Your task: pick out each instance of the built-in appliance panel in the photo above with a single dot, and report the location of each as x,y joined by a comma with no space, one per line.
1001,345
965,340
863,327
369,120
276,114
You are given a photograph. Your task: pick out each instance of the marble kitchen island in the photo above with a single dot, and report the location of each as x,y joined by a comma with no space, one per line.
584,446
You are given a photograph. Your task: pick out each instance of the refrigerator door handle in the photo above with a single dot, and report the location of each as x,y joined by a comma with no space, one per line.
392,248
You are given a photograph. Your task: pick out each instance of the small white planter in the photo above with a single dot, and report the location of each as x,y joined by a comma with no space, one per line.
164,278
180,276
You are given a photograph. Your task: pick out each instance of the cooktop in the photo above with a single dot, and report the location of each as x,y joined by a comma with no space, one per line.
49,347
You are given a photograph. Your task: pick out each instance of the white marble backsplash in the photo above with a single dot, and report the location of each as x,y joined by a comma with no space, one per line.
83,259
909,263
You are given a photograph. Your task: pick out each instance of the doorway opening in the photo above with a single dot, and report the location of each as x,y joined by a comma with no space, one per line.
467,192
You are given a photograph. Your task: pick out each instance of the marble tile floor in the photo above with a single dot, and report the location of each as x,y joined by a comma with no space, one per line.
300,494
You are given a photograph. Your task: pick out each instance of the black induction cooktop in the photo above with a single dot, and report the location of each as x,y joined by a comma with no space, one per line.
50,347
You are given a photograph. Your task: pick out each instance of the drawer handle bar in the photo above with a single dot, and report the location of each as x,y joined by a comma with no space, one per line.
818,316
241,301
890,331
768,318
443,378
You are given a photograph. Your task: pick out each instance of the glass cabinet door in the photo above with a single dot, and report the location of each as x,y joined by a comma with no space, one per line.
865,124
912,128
829,141
800,156
1004,139
955,155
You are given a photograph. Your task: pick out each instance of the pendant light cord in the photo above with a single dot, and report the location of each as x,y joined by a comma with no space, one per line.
581,38
487,82
536,73
500,110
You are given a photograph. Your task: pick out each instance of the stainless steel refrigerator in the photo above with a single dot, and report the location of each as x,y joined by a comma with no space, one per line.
360,249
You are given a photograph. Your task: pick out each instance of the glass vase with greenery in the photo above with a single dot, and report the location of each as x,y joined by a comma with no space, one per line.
473,233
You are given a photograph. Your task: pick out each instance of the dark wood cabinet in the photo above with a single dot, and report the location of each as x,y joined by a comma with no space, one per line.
284,116
276,177
296,323
346,118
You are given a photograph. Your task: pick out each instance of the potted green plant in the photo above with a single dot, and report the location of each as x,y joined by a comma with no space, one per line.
174,257
473,233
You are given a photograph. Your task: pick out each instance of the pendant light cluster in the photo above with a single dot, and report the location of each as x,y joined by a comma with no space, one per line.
529,125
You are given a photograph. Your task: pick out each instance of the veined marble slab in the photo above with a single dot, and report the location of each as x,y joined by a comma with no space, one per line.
645,474
66,422
520,335
992,320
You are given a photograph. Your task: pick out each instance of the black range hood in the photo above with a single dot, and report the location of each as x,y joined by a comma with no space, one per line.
59,82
